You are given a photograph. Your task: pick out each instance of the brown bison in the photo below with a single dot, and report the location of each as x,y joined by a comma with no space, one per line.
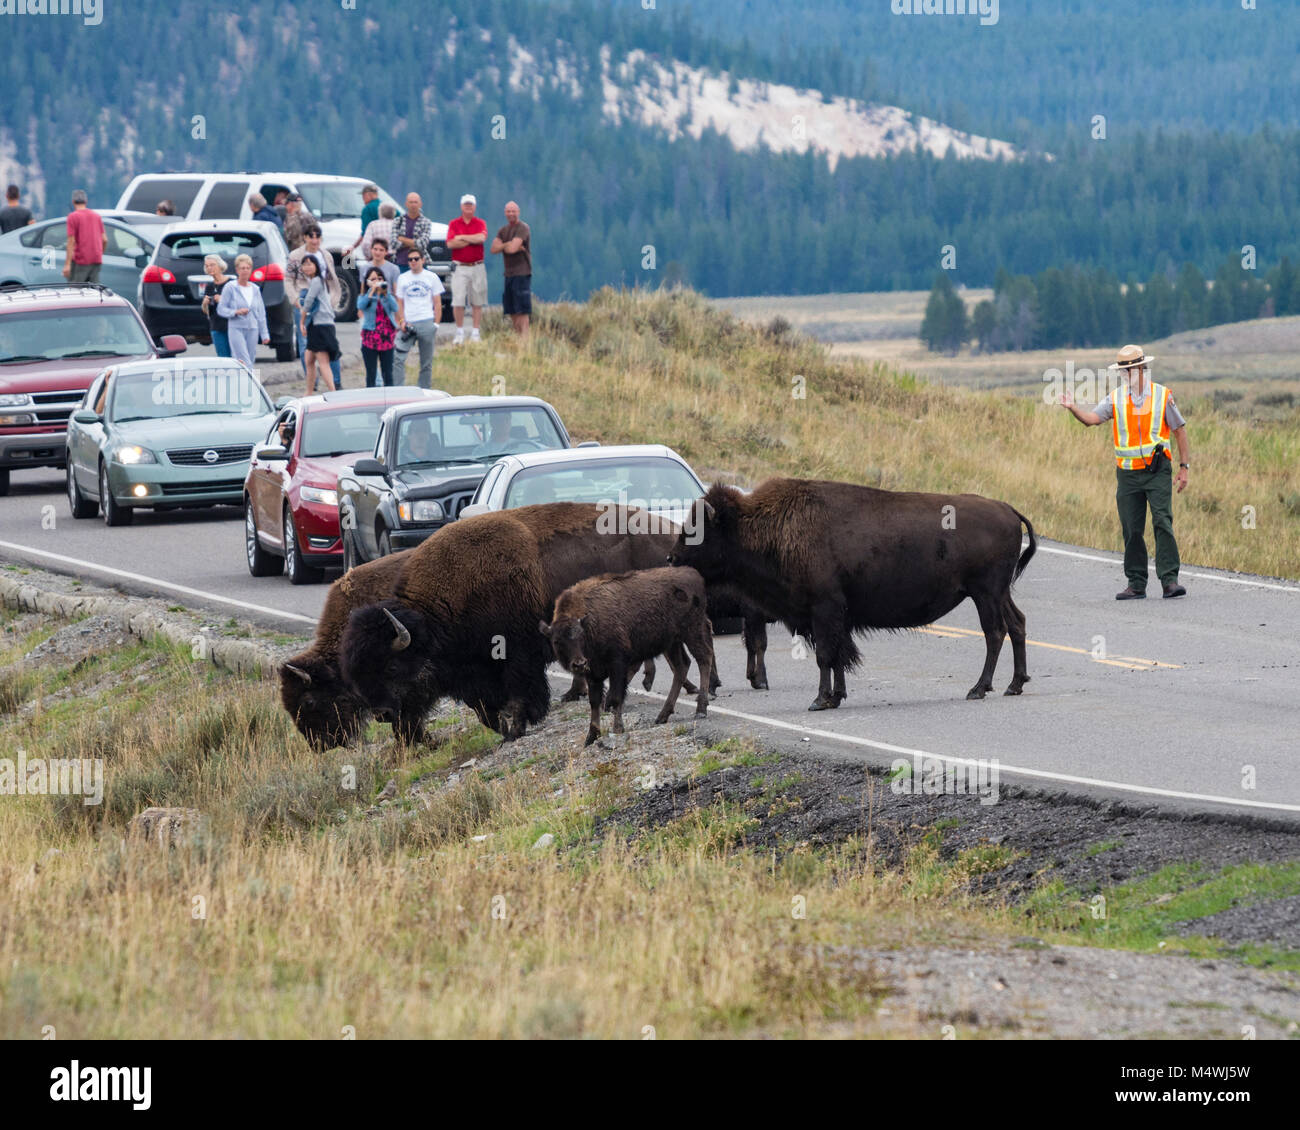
323,707
463,619
830,559
605,626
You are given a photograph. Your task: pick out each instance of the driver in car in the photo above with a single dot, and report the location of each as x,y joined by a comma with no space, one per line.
498,435
421,446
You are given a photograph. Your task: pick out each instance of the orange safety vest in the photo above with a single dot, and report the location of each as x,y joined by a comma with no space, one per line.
1138,431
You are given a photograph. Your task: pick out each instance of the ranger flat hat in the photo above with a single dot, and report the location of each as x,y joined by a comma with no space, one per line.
1131,357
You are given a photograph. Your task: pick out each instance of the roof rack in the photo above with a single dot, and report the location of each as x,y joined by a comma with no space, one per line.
26,288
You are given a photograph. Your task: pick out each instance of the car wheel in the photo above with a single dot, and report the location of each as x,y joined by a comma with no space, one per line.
287,351
260,562
4,482
114,515
350,558
346,310
385,543
300,573
80,506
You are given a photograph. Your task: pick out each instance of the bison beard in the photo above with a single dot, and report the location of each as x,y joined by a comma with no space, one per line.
830,559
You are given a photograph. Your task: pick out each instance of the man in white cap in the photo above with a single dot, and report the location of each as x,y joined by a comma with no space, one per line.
1143,415
466,235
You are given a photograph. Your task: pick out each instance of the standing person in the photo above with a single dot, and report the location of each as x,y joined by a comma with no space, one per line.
245,313
261,210
419,309
412,231
317,320
87,242
1142,416
296,220
379,258
296,286
215,266
381,227
466,235
378,310
369,205
165,208
512,244
13,215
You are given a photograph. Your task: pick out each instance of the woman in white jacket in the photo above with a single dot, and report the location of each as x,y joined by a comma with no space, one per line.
245,313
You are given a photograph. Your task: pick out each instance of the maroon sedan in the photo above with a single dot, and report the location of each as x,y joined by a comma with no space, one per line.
291,512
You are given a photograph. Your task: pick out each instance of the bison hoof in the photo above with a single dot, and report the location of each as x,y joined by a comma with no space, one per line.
758,684
572,696
1014,688
824,703
977,692
647,681
592,735
662,717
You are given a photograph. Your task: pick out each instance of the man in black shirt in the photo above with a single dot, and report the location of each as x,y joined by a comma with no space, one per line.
13,215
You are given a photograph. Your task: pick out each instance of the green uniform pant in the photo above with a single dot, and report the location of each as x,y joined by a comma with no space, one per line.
1134,491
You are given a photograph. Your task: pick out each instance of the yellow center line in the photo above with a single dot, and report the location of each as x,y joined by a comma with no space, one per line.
1133,662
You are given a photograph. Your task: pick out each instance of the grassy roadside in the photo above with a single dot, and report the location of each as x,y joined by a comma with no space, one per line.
659,367
303,906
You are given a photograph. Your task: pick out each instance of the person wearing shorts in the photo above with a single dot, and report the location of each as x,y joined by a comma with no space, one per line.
512,244
466,235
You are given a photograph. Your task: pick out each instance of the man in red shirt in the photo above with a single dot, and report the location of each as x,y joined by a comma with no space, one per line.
466,235
87,242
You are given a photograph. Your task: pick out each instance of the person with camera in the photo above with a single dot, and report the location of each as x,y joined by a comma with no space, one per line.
419,310
378,310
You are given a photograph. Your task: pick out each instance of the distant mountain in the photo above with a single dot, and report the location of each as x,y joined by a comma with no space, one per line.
640,150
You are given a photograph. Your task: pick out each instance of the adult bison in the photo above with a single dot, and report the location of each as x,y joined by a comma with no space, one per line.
324,708
830,559
463,618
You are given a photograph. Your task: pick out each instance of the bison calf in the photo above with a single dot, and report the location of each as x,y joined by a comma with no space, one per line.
605,626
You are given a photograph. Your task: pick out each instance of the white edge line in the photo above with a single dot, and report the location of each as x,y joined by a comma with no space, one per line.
1043,774
159,583
1182,573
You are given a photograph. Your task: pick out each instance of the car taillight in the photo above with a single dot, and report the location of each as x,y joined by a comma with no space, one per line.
272,272
156,274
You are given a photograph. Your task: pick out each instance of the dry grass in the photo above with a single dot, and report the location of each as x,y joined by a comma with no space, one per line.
658,367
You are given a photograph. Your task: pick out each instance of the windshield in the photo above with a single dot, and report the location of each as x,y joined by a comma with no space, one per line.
650,482
227,244
194,390
91,331
341,432
337,201
479,437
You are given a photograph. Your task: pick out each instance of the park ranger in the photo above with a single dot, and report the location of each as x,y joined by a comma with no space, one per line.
1143,416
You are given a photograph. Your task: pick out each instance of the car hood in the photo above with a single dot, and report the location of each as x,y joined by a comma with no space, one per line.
55,376
432,482
325,469
194,431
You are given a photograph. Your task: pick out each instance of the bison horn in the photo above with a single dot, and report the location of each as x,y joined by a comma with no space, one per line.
306,678
709,512
403,640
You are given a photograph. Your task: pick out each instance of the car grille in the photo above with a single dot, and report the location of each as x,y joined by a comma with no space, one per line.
453,504
56,407
215,486
193,456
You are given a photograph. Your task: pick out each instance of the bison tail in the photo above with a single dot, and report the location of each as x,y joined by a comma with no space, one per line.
1029,549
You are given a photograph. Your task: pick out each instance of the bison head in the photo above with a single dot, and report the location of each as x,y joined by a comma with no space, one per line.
568,636
325,711
707,534
387,659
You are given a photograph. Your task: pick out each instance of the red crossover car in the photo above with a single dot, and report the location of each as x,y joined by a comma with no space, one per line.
291,514
55,340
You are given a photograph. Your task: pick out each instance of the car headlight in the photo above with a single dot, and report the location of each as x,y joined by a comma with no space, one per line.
422,510
17,421
319,494
132,453
14,400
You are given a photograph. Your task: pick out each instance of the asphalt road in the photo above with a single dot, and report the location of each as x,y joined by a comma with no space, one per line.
1179,703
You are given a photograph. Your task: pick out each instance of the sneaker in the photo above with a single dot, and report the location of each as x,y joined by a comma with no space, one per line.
459,339
473,335
1130,593
1174,590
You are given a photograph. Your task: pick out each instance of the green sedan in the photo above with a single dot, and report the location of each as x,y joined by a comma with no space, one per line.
164,434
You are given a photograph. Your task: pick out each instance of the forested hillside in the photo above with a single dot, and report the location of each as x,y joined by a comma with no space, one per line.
514,104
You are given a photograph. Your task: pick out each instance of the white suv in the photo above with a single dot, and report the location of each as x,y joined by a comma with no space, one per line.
334,201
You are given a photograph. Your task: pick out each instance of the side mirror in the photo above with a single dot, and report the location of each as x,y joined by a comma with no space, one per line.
85,416
370,467
474,510
172,344
588,443
272,454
